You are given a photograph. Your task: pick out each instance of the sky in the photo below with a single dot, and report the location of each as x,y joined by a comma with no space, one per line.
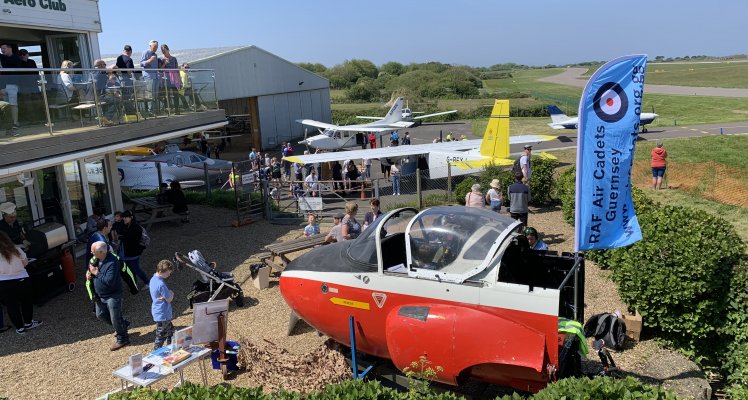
467,32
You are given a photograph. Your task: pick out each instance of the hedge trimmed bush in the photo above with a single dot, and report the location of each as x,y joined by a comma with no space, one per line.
602,388
566,190
735,365
677,275
571,388
542,185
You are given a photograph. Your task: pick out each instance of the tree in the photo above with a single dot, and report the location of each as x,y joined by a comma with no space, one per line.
392,68
317,68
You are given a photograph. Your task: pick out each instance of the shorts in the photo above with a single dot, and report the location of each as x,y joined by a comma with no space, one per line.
11,93
658,172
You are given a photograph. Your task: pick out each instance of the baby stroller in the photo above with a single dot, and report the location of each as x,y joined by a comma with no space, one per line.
212,284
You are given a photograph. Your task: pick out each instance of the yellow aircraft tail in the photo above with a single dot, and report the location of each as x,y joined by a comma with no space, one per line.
495,142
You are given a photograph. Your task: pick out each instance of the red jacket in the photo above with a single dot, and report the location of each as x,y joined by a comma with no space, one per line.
658,157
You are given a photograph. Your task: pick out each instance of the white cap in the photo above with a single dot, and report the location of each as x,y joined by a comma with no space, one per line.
7,208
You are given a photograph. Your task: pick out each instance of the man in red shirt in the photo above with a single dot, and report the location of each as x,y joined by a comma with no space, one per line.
373,140
658,164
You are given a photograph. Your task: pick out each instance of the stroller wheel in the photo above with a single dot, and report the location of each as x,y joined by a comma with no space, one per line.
239,299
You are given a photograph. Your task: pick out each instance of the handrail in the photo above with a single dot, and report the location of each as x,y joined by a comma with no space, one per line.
26,70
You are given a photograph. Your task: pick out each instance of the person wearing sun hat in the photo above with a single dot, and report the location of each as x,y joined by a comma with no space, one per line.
9,224
493,196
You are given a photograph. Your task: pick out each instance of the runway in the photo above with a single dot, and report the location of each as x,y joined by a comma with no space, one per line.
426,133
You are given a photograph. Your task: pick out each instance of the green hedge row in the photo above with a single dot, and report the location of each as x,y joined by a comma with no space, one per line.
582,388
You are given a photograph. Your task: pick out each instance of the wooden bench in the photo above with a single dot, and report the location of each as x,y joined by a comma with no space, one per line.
155,212
282,249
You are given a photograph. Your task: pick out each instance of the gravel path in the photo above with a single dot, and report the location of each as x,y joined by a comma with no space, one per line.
69,357
573,77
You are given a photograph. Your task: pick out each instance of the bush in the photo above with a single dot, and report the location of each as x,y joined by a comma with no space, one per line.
677,274
542,183
601,388
735,365
566,192
462,189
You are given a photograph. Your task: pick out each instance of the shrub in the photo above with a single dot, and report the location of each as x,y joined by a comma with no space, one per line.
601,388
542,184
735,364
566,191
462,189
677,274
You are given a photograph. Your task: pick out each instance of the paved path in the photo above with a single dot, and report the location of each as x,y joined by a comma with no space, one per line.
573,77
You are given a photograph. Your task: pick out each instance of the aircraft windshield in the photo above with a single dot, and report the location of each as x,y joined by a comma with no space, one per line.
455,240
331,133
364,249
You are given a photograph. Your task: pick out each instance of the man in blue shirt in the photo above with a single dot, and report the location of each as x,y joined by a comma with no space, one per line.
149,62
532,238
108,285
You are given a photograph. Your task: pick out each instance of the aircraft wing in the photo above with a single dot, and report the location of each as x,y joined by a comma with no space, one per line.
435,114
475,164
355,128
365,117
317,124
384,152
521,139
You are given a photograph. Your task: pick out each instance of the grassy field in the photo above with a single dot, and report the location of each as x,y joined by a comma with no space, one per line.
726,150
728,74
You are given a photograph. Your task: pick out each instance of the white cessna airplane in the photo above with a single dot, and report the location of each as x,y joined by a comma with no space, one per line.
335,137
410,116
559,120
468,156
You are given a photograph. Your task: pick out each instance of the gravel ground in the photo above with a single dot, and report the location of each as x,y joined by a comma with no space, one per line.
69,357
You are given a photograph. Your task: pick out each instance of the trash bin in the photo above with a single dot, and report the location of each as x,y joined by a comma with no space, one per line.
232,348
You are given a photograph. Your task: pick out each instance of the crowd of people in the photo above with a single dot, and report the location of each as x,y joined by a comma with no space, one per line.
21,99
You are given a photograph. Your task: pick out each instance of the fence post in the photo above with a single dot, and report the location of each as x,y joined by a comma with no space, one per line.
449,183
418,188
376,188
266,198
207,180
159,174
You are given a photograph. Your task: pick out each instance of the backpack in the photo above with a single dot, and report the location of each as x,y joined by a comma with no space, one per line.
145,240
516,167
608,327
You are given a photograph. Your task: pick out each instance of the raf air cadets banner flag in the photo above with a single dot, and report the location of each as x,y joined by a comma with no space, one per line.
608,127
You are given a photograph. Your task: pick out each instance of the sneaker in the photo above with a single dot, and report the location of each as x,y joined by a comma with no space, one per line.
33,324
21,331
116,346
202,108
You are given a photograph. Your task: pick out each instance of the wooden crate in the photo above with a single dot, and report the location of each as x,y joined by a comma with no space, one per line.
633,325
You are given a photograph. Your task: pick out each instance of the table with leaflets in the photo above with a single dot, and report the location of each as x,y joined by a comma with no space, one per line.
160,370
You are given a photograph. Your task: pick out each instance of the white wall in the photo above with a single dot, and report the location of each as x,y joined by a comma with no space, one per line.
78,15
278,114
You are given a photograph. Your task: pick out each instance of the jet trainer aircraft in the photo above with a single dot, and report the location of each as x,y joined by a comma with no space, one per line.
334,137
184,166
467,156
559,120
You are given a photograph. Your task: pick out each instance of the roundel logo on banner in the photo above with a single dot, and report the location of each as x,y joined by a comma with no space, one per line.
610,102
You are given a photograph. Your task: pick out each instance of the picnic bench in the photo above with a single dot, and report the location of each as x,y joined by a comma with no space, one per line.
282,249
154,211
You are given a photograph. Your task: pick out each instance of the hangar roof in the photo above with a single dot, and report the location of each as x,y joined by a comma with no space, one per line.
247,71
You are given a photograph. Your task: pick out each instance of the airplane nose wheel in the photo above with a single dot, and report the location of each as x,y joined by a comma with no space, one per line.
644,130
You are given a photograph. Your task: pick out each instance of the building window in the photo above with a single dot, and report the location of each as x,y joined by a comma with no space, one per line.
98,186
13,191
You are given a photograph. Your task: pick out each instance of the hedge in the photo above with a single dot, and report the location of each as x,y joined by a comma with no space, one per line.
572,388
542,184
735,365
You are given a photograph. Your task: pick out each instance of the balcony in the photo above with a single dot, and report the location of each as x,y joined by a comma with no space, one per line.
66,111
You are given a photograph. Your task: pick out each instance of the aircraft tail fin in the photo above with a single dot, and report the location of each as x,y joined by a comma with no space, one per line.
556,114
395,114
495,142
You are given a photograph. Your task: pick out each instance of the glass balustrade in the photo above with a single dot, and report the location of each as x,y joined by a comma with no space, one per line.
54,101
